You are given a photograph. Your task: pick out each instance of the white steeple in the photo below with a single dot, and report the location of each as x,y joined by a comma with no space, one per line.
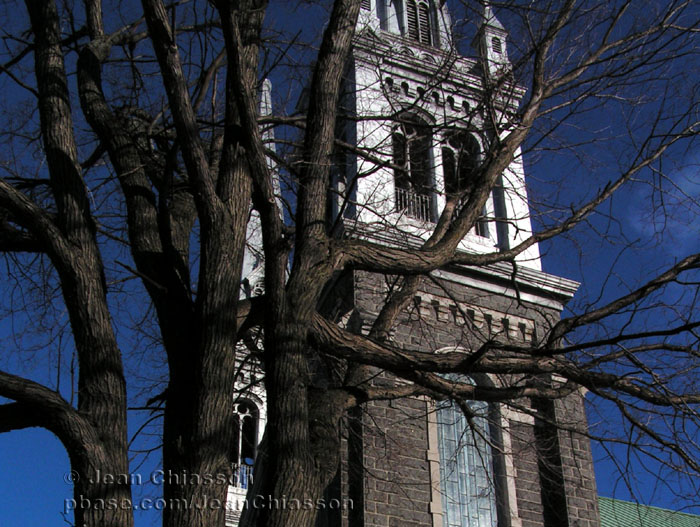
491,41
435,132
252,275
489,18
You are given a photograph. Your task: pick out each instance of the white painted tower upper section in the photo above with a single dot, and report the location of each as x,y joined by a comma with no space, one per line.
426,118
491,44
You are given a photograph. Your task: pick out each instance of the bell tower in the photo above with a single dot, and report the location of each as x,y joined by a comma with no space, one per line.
413,102
420,119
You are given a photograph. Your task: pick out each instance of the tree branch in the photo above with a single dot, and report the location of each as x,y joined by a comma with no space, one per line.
46,408
17,416
38,223
14,240
193,154
568,324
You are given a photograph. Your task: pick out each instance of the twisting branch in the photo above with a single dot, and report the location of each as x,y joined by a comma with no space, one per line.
37,405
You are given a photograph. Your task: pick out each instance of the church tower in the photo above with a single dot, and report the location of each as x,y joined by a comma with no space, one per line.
421,118
491,46
431,126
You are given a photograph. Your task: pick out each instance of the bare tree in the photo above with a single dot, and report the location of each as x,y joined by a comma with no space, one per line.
168,150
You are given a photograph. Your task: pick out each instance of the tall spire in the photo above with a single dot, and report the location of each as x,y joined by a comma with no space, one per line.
253,272
491,43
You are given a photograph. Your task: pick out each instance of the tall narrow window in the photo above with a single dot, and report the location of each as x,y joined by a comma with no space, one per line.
418,25
466,467
412,20
500,211
460,161
411,143
245,441
424,23
482,225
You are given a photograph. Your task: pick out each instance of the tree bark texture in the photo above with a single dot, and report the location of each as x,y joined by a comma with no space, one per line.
101,386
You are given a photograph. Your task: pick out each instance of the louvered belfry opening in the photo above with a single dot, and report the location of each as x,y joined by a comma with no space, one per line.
412,20
424,23
418,22
496,44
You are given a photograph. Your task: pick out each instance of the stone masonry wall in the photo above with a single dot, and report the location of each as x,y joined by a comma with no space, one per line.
577,463
528,487
396,485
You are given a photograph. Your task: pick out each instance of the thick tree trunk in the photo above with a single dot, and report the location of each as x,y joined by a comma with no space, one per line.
302,450
197,437
197,422
101,495
295,478
101,385
301,434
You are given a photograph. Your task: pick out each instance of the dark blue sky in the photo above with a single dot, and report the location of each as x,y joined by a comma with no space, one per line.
627,241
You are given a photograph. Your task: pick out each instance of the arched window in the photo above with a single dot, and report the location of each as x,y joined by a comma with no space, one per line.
418,26
245,441
413,178
466,467
460,159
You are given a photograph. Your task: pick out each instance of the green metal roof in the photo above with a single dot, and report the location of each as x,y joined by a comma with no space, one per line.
618,513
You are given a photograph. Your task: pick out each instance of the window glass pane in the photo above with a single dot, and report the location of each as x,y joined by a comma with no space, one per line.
236,440
482,226
420,162
248,440
245,430
466,468
448,169
466,150
468,159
